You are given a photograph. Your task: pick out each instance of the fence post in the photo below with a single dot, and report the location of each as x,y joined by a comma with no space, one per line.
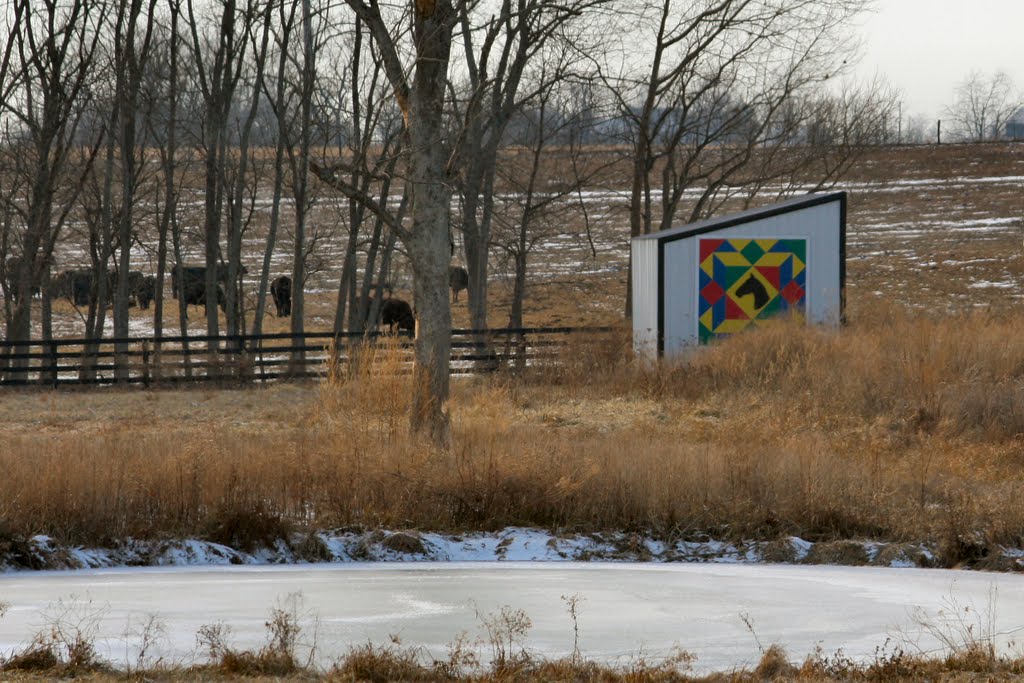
157,359
520,351
53,362
145,362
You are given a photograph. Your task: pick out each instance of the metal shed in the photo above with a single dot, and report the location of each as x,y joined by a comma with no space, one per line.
716,277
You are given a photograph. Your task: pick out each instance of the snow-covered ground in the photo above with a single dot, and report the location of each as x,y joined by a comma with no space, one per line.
512,544
722,613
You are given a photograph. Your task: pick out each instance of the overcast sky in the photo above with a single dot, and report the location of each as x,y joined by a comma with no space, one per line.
925,47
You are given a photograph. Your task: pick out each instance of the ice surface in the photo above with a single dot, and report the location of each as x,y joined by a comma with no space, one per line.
624,608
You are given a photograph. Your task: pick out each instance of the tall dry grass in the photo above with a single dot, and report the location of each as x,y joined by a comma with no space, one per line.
898,427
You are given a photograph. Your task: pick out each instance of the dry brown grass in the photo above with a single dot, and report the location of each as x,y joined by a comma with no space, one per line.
901,427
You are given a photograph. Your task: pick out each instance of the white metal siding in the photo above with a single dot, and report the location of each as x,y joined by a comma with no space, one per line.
645,297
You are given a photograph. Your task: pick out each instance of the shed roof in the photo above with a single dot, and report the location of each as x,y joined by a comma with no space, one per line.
711,224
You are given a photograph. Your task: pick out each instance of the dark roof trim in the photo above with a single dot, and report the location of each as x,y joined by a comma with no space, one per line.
712,224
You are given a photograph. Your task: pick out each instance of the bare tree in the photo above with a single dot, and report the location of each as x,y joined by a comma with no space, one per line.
220,61
546,176
279,98
983,105
164,91
241,196
722,80
918,130
497,52
372,136
300,180
133,32
48,65
419,90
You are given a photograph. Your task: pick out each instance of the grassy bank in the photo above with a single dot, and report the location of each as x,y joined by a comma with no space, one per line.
500,652
903,427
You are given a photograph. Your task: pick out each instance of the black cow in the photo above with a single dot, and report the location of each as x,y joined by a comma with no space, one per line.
397,312
77,286
13,266
195,295
281,290
193,274
458,280
135,279
222,301
145,291
193,281
73,285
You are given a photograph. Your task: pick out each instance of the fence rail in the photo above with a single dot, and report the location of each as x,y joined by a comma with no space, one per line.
267,357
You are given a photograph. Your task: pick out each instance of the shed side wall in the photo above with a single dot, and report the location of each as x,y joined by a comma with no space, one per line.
645,298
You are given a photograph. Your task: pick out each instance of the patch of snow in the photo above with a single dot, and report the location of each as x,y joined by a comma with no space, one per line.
512,544
983,284
800,547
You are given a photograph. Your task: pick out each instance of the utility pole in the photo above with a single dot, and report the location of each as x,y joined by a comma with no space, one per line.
899,123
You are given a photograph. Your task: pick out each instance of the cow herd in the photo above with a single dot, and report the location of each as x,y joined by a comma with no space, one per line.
77,287
189,283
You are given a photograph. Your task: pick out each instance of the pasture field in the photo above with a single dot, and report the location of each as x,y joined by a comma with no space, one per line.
939,228
905,427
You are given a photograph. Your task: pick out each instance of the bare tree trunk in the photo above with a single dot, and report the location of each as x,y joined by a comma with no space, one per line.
422,105
180,295
429,247
46,313
301,181
47,59
233,293
218,87
286,24
168,161
361,317
129,63
102,246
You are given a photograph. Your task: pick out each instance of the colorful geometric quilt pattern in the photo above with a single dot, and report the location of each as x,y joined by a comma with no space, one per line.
744,280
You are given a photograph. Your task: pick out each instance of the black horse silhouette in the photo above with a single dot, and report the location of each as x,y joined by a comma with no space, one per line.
755,287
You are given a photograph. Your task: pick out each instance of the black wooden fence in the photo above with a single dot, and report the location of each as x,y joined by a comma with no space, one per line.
267,357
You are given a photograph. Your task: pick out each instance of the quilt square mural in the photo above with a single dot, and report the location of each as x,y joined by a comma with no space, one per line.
744,280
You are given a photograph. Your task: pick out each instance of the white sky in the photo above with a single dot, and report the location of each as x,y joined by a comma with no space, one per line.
925,47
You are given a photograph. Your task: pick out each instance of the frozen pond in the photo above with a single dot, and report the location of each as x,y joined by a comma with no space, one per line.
623,610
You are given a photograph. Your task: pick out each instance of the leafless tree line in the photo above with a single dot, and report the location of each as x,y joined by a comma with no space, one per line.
985,108
134,127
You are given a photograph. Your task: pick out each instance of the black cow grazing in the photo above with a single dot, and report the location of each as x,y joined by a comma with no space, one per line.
184,279
145,291
222,301
77,286
195,295
281,290
13,267
397,312
73,285
135,278
458,280
188,275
